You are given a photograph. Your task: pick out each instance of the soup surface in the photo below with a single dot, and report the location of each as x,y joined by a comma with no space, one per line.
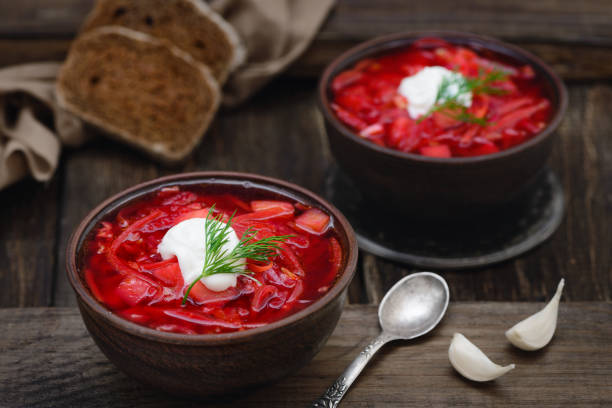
125,271
507,105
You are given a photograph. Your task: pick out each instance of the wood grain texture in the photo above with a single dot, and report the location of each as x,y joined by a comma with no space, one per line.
574,37
48,359
579,250
550,20
43,18
28,224
558,20
23,51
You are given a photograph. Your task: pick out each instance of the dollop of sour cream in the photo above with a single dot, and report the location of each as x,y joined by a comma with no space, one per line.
187,241
421,89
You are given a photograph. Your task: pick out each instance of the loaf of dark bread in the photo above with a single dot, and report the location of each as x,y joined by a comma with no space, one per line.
189,24
139,89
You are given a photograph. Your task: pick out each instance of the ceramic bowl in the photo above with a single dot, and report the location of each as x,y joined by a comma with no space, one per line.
424,185
207,364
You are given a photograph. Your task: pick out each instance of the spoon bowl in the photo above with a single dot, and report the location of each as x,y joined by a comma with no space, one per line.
414,305
411,308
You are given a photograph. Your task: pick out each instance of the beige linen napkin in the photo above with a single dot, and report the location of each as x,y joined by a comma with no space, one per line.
28,145
275,33
33,128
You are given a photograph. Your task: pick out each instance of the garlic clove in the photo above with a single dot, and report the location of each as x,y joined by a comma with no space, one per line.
537,330
471,362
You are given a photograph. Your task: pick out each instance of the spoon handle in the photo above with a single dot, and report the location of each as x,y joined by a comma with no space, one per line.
331,398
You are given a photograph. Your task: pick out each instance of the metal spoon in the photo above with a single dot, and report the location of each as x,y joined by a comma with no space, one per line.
411,308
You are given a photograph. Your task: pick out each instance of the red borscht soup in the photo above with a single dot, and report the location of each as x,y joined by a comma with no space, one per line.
506,107
125,271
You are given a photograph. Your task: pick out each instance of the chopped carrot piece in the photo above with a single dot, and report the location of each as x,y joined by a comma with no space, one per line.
238,202
289,273
169,272
267,214
282,206
314,221
260,268
436,151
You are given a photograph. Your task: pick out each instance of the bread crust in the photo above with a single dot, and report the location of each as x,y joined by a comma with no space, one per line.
159,151
240,52
104,13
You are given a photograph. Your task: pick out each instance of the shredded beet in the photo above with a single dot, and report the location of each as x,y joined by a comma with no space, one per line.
125,272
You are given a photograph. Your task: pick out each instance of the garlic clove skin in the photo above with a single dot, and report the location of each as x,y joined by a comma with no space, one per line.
471,362
537,330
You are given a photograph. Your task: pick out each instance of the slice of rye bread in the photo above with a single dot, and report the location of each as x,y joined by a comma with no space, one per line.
191,25
139,89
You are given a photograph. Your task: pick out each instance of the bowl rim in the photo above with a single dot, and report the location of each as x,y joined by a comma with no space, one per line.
377,44
279,186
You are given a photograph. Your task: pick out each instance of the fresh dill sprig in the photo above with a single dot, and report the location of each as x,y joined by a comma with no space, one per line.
456,111
482,83
219,260
455,85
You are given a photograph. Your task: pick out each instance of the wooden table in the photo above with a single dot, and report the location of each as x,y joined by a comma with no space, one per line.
282,127
48,359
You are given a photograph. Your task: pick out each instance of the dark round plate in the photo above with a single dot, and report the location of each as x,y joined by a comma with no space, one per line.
481,240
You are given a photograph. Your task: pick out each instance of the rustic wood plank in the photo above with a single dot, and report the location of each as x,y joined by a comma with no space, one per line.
47,18
574,37
47,359
583,160
28,223
571,62
22,51
356,290
372,278
554,20
574,62
279,134
580,249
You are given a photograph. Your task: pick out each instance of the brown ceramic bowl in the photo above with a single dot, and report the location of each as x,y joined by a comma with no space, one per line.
440,186
201,365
